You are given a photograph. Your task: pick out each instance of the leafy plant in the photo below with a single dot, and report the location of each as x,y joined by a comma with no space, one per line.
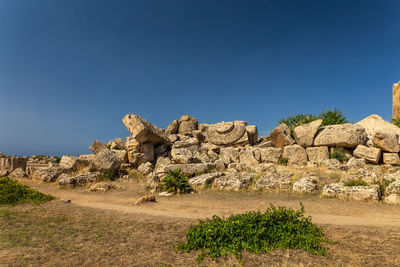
12,192
396,122
356,182
338,153
331,117
383,184
176,182
108,176
57,160
276,228
284,161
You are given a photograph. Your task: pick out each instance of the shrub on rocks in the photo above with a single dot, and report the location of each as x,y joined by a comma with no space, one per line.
176,182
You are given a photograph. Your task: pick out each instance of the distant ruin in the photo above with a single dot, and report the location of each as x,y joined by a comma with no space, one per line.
396,100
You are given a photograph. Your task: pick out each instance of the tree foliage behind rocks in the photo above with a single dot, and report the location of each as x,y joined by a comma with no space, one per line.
329,117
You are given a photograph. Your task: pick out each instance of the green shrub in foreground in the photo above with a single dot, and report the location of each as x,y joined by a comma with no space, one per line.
277,228
12,192
176,182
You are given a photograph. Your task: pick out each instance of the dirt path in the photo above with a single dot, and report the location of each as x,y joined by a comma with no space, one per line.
205,204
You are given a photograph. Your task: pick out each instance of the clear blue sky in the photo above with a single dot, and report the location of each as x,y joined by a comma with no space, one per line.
71,69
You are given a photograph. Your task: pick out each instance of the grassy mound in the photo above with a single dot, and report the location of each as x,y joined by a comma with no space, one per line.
12,193
277,228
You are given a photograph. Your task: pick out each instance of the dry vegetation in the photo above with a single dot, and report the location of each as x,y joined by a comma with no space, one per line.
67,234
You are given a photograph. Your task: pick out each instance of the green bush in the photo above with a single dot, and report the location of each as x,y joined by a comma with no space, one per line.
338,153
12,193
329,117
109,176
284,161
276,228
357,182
176,182
58,159
396,122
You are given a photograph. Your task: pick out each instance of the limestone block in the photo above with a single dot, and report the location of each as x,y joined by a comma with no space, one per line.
317,154
370,154
345,135
295,154
304,134
391,158
280,136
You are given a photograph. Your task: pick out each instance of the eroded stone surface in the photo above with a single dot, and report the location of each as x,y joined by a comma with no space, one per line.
362,193
226,133
344,135
304,134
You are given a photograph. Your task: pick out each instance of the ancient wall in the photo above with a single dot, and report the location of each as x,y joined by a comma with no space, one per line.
396,100
12,163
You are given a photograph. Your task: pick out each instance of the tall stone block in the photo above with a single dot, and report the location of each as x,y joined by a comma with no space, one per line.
396,100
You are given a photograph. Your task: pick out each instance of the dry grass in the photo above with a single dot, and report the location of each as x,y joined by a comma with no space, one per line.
61,234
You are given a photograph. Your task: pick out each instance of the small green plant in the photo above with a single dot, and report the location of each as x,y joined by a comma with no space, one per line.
284,161
356,182
57,160
12,193
338,153
335,176
41,156
276,228
108,176
383,184
109,147
176,182
396,122
329,117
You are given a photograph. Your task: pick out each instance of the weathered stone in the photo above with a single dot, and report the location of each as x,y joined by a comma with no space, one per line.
355,163
49,174
172,127
187,127
362,193
106,161
370,154
265,144
387,141
173,138
391,158
230,155
304,134
317,154
116,144
248,158
393,188
187,151
88,157
188,118
145,199
375,123
102,187
220,165
212,147
270,154
295,154
226,133
143,131
11,163
75,164
345,135
306,185
392,199
234,182
3,173
188,169
280,180
17,173
280,136
146,168
97,147
205,179
160,149
122,155
147,149
79,180
334,165
252,133
262,167
396,100
236,167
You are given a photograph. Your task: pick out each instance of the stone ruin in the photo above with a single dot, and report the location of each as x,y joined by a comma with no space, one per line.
231,156
396,100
